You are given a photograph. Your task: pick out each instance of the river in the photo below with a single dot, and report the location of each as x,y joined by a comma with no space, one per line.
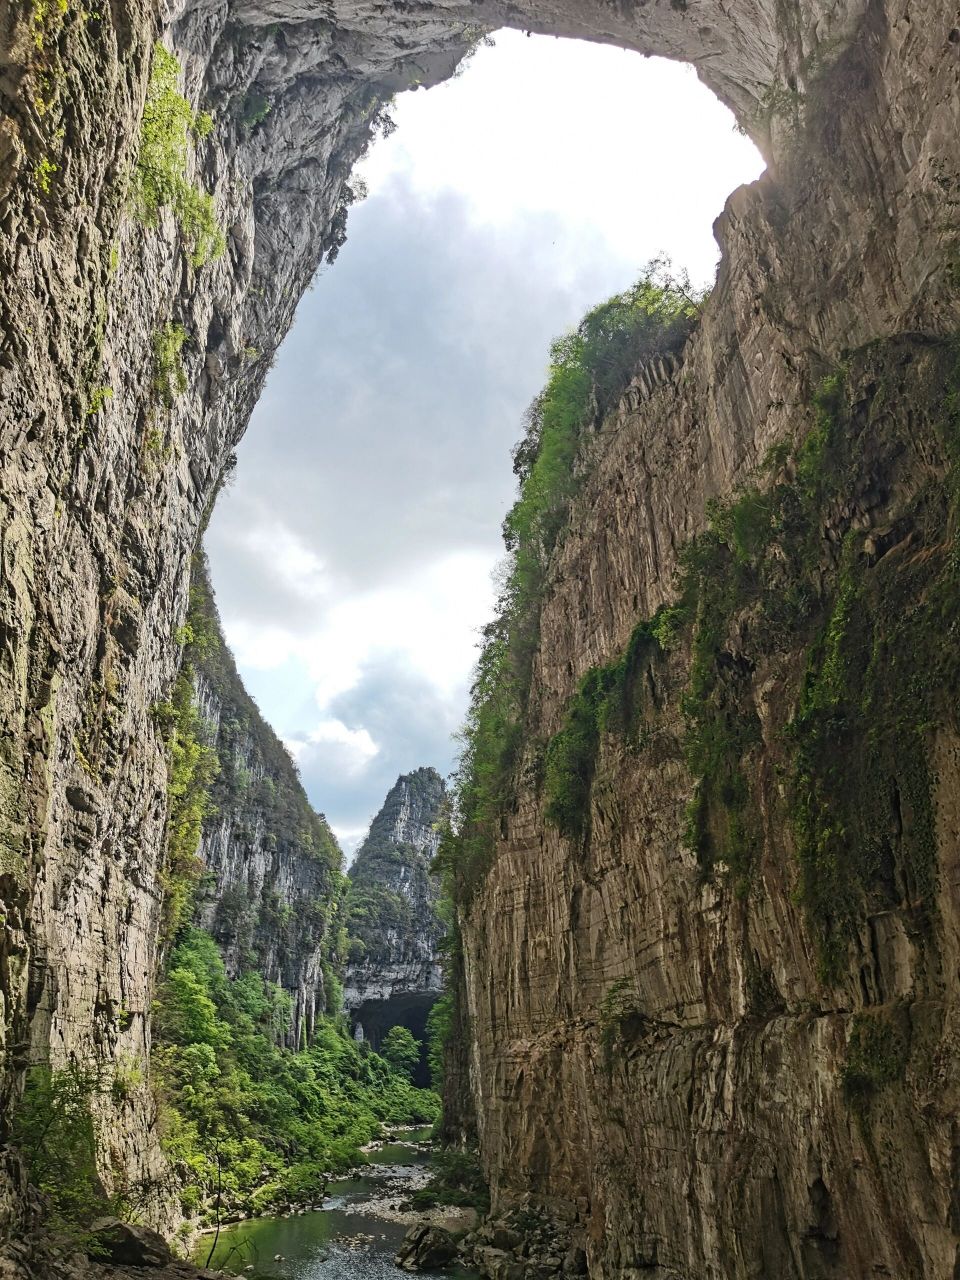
343,1240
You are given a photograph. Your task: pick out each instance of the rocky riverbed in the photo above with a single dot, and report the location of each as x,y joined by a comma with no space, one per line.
354,1234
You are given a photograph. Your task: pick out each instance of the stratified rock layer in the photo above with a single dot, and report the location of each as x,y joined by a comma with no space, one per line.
718,1145
660,1044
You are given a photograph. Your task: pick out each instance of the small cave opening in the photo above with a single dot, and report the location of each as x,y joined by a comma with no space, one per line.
372,1020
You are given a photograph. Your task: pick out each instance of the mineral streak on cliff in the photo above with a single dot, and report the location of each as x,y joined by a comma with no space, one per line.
718,1142
395,973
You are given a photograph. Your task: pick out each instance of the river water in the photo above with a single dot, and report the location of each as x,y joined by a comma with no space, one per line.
338,1241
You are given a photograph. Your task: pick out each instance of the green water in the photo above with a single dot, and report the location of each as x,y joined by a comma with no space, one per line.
320,1244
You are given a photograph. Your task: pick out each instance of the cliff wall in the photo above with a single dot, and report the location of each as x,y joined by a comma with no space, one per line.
271,889
396,930
111,452
716,1015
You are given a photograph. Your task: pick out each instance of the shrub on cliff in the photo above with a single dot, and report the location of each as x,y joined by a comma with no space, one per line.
52,1128
589,370
169,130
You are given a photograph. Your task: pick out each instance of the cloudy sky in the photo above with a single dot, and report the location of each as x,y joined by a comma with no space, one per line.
352,556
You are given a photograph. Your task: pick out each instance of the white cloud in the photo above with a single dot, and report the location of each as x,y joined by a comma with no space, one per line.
356,745
426,622
352,557
634,150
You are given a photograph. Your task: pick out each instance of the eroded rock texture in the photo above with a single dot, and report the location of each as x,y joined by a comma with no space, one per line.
395,972
731,1153
271,882
743,1064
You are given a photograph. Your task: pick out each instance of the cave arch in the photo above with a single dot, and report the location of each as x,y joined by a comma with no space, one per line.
97,543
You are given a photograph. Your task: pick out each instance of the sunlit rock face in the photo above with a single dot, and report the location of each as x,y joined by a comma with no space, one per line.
393,917
848,240
394,972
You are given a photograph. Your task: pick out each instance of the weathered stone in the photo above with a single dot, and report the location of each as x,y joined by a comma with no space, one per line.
575,1263
394,972
112,1240
425,1247
270,860
720,1131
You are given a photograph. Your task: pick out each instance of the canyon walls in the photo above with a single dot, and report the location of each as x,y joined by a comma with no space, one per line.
716,1014
707,1131
271,889
394,973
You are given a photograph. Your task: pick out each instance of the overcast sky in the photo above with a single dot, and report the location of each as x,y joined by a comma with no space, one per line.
352,556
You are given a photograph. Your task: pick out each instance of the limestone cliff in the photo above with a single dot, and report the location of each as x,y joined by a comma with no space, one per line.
271,883
395,965
707,1131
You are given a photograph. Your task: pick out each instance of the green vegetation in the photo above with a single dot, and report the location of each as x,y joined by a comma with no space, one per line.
620,1014
43,172
883,646
389,882
607,700
401,1050
98,398
589,370
439,1031
456,1179
193,765
786,566
45,17
267,1123
877,1055
53,1128
169,130
169,378
256,108
240,1110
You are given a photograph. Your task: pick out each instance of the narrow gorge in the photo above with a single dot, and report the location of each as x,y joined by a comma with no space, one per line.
394,973
699,867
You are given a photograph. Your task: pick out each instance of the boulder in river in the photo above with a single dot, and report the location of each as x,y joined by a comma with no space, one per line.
426,1247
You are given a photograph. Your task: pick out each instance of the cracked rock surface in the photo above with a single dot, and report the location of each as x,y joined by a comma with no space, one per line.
719,1144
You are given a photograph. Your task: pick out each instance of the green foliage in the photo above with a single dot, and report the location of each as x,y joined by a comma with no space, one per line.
608,700
620,1014
456,1179
388,878
256,108
193,765
280,1121
45,18
168,132
590,368
401,1050
169,378
43,172
572,755
440,1021
882,639
98,398
277,792
53,1128
877,1055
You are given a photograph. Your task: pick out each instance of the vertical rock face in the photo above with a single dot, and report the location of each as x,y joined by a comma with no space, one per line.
713,1139
271,884
393,916
719,1020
